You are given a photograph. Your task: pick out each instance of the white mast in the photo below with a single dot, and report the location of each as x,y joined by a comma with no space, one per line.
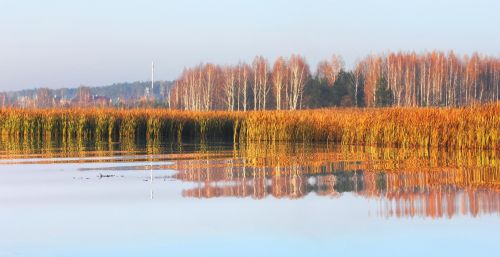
152,75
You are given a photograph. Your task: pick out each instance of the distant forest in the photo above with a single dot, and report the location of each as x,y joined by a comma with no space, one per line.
393,79
118,94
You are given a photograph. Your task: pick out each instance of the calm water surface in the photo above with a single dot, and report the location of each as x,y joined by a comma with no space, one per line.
250,200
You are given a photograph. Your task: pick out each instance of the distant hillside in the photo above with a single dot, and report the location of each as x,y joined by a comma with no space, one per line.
132,90
127,91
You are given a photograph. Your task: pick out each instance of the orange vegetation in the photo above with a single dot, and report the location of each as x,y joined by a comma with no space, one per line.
458,128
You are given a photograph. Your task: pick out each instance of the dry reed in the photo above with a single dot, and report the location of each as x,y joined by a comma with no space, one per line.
457,128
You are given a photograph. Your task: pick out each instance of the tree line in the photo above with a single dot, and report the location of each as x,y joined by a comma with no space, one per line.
393,79
128,94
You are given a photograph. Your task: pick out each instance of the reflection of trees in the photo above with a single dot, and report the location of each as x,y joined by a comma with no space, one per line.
434,185
405,183
434,194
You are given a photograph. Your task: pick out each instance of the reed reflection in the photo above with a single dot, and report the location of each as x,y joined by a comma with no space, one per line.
404,184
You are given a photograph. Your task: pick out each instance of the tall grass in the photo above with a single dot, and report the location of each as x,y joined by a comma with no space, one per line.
473,127
459,128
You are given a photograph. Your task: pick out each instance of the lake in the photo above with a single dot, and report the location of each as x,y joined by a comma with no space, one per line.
248,200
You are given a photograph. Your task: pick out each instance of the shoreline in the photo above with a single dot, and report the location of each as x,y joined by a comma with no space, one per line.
475,127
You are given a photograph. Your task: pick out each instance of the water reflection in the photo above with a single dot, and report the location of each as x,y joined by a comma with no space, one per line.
403,182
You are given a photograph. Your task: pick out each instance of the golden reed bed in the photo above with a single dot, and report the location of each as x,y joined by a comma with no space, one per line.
457,128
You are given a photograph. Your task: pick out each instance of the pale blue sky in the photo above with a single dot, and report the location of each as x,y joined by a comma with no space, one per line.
68,43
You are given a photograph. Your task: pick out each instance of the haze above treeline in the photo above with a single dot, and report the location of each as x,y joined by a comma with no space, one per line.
288,83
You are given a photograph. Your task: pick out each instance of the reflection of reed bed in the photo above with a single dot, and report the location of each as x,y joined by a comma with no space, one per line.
9,149
14,150
364,158
108,157
457,128
317,157
407,183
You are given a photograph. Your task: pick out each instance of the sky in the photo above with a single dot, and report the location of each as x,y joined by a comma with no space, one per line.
65,43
